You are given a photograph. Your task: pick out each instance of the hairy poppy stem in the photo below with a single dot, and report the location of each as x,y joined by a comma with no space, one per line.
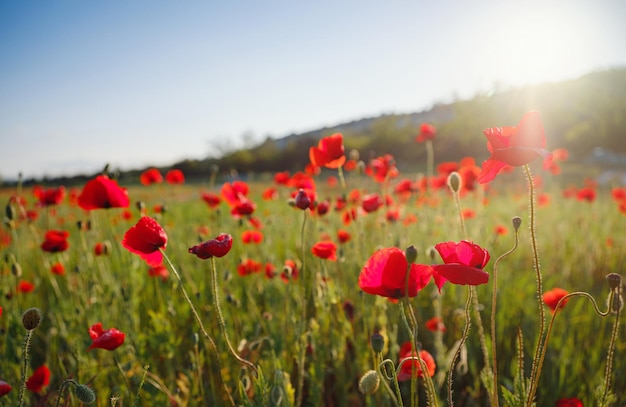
305,302
26,359
457,353
609,357
208,337
382,368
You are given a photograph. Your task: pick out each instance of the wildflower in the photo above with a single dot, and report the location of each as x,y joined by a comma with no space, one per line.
385,271
5,388
500,230
325,249
569,402
435,324
269,194
101,248
159,271
290,271
211,199
145,239
427,132
408,366
382,168
151,176
24,286
49,197
252,236
109,339
249,266
323,207
329,152
515,146
39,379
103,193
234,192
243,208
371,203
552,297
57,269
302,200
217,247
343,236
55,241
463,263
281,178
175,176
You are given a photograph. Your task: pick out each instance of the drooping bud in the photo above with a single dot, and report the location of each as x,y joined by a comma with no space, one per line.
31,318
411,254
302,200
85,394
454,182
369,382
517,222
377,341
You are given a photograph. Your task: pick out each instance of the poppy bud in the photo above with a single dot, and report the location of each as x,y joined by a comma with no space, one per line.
302,200
369,382
411,254
614,280
31,318
217,247
432,253
10,211
85,394
454,182
377,341
517,221
140,205
16,269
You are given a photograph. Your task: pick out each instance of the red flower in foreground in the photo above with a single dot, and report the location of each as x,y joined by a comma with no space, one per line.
55,241
151,176
145,239
329,152
5,388
463,263
39,379
427,132
325,249
384,274
217,247
408,366
103,193
514,146
110,339
552,297
569,402
175,176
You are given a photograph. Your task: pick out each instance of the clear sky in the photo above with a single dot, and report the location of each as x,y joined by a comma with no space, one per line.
150,82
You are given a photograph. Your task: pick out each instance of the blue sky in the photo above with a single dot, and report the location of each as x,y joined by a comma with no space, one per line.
137,83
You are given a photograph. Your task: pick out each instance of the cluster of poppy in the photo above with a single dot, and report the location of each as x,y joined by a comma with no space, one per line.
154,176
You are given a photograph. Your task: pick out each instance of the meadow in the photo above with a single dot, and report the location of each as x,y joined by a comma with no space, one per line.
287,295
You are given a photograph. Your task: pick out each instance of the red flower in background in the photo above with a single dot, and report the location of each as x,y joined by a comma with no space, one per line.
249,266
39,379
159,271
145,239
427,132
235,192
5,388
463,263
24,286
407,368
569,402
325,249
217,247
343,236
586,194
211,199
252,236
382,168
281,178
329,152
384,274
435,324
109,339
371,202
290,271
49,197
100,249
515,146
103,193
175,176
57,269
552,297
151,176
55,241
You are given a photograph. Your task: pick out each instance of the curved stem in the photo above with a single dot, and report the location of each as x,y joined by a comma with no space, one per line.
206,335
382,367
62,388
457,353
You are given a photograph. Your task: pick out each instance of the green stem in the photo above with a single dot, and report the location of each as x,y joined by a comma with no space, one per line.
305,304
457,353
382,367
610,355
430,159
26,357
62,388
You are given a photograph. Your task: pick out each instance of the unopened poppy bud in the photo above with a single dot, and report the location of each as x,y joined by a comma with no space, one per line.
16,269
411,254
85,394
431,252
302,200
614,279
369,382
377,341
517,222
31,318
10,211
454,182
140,205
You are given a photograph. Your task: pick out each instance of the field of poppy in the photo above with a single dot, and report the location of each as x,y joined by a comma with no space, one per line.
348,283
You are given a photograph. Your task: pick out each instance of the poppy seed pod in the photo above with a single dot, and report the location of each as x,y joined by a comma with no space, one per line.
369,382
411,254
517,222
377,341
454,182
614,279
31,318
85,394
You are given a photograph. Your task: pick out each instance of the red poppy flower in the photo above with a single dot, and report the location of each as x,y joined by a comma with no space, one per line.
58,269
24,286
382,168
552,297
384,274
332,181
244,207
5,388
100,249
435,324
145,239
235,192
515,146
55,241
39,379
281,178
109,339
249,266
49,197
343,236
211,199
290,271
323,207
407,368
329,152
427,132
463,263
569,402
500,230
270,270
151,176
103,193
371,202
269,194
325,249
159,271
175,176
302,200
217,247
252,236
586,194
